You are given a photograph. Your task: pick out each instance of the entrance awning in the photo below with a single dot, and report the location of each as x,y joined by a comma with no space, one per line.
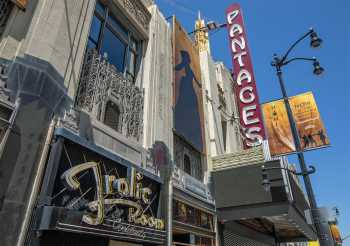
279,212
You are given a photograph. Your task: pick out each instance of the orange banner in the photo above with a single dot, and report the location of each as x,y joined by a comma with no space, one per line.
20,3
308,122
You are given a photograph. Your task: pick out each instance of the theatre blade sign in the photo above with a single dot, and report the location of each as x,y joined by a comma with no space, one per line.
245,86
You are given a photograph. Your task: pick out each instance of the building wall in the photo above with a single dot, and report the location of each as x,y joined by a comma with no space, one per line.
224,79
158,77
53,31
216,78
215,143
42,50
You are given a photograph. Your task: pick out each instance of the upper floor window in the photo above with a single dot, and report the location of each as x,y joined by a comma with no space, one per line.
187,164
224,132
114,41
111,116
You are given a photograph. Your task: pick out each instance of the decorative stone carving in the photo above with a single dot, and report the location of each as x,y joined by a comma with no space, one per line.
245,157
201,35
185,182
222,98
4,93
137,9
101,82
182,149
70,120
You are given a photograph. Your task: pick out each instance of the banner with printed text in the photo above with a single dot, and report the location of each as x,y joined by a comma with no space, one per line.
309,124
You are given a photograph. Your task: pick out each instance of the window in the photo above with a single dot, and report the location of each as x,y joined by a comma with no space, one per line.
193,216
114,41
187,164
112,114
224,133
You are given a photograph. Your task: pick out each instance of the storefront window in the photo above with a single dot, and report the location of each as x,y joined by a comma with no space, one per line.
187,214
204,241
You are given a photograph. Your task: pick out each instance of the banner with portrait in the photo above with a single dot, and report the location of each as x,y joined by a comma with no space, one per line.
309,124
188,98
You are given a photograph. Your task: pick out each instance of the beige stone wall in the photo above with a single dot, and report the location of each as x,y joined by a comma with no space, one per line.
54,31
157,83
241,158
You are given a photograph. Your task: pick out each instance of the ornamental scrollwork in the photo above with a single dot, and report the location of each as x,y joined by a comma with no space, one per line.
101,82
138,11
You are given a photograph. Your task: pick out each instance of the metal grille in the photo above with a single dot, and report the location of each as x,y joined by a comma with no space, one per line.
232,239
5,9
100,81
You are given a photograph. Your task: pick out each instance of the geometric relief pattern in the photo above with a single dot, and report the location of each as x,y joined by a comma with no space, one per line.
181,149
241,158
138,11
100,82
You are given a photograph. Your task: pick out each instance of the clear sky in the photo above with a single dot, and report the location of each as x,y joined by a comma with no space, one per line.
272,25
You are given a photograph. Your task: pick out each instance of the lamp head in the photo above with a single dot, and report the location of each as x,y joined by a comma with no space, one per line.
318,70
315,40
211,25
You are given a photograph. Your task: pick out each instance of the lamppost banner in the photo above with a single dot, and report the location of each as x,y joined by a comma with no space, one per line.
307,118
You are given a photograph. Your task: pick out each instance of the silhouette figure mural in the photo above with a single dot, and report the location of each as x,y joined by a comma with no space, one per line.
188,102
187,118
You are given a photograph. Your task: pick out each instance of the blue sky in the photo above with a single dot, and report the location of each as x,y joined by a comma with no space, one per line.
272,25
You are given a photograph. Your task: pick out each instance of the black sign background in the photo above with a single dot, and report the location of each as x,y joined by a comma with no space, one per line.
69,206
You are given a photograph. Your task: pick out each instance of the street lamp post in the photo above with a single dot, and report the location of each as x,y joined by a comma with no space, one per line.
278,63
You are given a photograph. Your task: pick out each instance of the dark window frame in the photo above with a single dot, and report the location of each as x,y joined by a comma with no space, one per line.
187,161
224,133
127,40
110,104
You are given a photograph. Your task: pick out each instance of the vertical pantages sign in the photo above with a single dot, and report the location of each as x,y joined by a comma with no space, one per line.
245,86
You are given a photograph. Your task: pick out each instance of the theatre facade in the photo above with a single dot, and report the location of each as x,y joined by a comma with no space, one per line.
118,128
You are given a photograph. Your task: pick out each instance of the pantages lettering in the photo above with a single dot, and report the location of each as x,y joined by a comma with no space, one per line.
245,89
130,193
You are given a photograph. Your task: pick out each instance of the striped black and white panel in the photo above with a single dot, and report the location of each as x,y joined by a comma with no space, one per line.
232,239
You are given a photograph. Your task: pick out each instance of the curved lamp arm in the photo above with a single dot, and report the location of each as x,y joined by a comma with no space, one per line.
299,58
295,43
